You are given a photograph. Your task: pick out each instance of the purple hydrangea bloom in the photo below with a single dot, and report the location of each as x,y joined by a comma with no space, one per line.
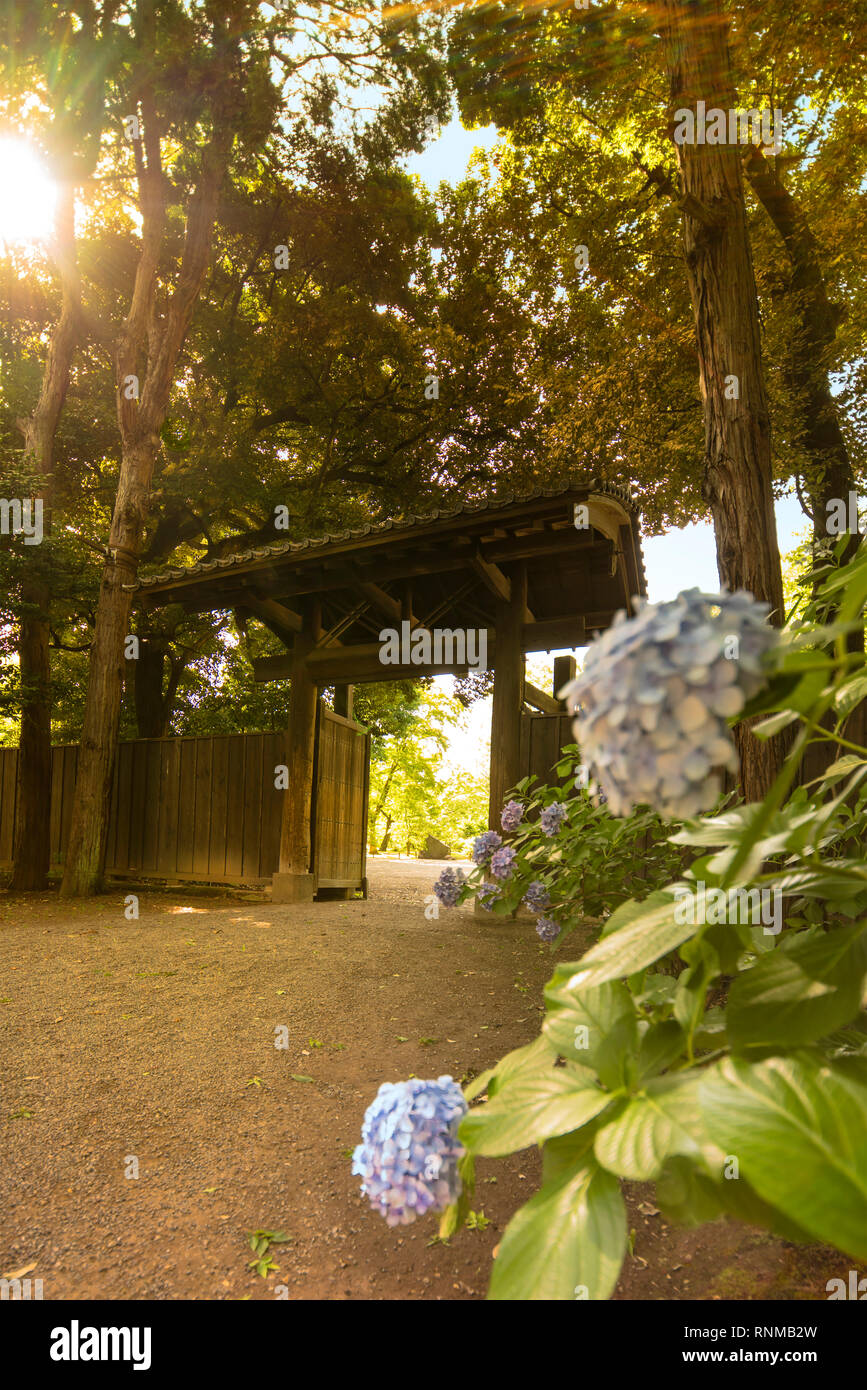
487,894
552,817
484,846
548,929
511,816
537,896
409,1152
653,701
501,862
448,886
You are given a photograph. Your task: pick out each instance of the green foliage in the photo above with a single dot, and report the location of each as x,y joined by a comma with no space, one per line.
260,1243
740,1086
591,863
412,792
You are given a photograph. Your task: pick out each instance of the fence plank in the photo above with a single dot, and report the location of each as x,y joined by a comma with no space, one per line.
206,808
185,834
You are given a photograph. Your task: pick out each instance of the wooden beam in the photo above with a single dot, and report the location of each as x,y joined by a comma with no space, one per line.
272,668
553,633
492,577
274,613
359,663
380,599
539,700
564,672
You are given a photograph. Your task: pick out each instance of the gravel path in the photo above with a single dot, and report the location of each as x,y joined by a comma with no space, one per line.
149,1046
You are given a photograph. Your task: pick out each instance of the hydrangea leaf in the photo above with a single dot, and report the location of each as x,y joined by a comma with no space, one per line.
659,1046
649,1129
631,910
568,1241
796,996
644,940
531,1108
798,1126
595,1026
533,1056
688,1195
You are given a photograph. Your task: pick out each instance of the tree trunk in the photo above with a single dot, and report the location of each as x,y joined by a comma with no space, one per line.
140,418
377,810
830,469
85,853
387,836
737,477
33,827
829,476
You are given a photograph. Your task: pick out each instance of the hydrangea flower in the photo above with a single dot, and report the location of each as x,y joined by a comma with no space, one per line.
537,896
448,886
547,928
409,1152
484,846
487,894
511,816
501,862
552,817
655,695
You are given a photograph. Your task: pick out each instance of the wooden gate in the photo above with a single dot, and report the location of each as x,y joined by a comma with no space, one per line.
206,809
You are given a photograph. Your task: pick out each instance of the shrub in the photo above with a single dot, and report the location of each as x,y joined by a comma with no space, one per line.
740,1087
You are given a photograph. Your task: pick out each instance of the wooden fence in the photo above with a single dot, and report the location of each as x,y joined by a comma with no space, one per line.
206,808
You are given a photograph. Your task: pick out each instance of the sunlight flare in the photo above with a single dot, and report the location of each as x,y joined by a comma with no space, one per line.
27,194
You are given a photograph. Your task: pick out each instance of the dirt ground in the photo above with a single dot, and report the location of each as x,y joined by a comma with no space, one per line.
154,1040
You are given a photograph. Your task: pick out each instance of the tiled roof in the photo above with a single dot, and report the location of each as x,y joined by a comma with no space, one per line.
395,524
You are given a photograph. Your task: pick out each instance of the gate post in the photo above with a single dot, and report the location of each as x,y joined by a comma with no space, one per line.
294,882
508,695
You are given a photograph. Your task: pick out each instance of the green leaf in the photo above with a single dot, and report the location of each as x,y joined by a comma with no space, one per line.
595,1026
632,910
796,996
531,1108
455,1215
658,989
688,1194
647,937
534,1056
798,1126
775,723
659,1046
851,694
649,1128
570,1237
298,1076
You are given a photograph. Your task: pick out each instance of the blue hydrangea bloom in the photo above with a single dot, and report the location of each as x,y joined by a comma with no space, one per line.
408,1155
484,846
448,886
548,929
501,862
552,817
487,894
537,896
511,816
653,701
